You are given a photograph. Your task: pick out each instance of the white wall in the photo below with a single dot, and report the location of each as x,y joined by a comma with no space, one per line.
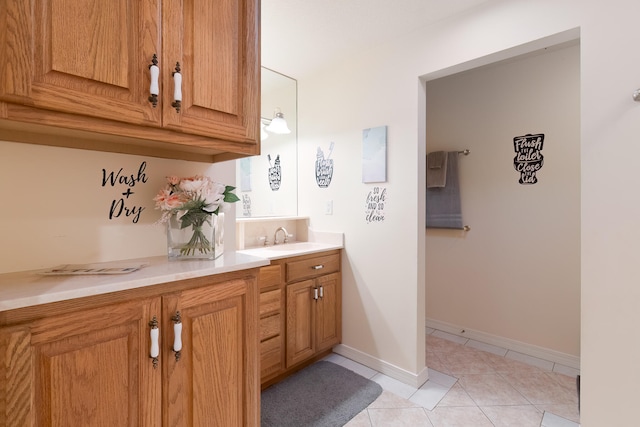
56,209
384,263
380,266
516,274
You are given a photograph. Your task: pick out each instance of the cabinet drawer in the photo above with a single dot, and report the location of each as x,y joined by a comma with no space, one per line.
270,356
269,327
270,275
312,267
270,301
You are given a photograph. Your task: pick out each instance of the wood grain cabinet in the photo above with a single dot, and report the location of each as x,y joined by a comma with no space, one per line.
272,316
92,366
314,306
86,68
300,312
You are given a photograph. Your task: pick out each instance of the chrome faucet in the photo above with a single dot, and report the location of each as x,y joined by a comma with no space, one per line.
275,236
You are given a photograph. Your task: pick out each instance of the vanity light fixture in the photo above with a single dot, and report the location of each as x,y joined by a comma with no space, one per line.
263,133
278,124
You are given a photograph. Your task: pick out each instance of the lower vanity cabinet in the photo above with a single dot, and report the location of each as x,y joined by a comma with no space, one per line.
313,306
214,381
89,367
300,312
271,321
88,362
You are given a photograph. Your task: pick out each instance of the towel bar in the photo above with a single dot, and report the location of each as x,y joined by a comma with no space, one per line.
463,228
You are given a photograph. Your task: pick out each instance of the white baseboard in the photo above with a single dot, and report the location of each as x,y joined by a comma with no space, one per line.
506,343
406,377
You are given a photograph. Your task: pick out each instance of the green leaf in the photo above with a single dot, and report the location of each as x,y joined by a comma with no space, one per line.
230,197
195,217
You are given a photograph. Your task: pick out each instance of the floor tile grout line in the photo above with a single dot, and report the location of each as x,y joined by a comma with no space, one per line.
369,418
538,370
517,391
426,413
443,335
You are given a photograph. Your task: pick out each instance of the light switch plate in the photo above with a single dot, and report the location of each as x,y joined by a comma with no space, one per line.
328,207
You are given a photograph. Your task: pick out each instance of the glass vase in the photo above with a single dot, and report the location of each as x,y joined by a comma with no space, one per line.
203,239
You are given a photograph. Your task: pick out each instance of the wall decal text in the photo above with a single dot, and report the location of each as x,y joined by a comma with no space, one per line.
121,206
275,173
528,159
375,204
246,205
324,167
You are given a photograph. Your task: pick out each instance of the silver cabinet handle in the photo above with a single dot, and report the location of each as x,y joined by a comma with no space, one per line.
154,333
177,335
321,291
318,267
315,294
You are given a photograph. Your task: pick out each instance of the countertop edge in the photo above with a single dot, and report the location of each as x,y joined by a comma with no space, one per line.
30,288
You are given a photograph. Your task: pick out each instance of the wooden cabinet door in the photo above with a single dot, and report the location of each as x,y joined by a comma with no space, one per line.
16,377
87,57
301,313
329,315
86,368
217,46
216,380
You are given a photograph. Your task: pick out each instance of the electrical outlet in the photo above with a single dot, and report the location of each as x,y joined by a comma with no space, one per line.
328,207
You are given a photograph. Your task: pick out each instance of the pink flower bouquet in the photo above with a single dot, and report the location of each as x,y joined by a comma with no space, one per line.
192,201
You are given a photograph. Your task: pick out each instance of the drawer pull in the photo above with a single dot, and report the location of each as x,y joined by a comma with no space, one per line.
177,335
153,88
154,333
177,88
318,267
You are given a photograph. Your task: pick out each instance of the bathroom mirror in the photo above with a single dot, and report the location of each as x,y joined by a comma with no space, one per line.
268,184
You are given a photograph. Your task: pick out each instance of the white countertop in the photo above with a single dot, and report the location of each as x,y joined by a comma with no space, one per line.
28,288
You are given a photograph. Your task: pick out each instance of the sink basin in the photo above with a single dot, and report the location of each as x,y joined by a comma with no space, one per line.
296,246
285,250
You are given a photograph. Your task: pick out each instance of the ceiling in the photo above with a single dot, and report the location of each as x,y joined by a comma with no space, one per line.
298,36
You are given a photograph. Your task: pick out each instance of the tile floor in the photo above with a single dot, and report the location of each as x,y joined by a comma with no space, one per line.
473,384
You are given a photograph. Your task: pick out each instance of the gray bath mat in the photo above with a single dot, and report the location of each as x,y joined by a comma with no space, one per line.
323,394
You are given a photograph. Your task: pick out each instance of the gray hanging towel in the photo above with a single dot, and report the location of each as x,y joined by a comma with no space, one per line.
443,203
437,169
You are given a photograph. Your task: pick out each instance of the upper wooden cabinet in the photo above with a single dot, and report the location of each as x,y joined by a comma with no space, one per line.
84,68
90,58
220,80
